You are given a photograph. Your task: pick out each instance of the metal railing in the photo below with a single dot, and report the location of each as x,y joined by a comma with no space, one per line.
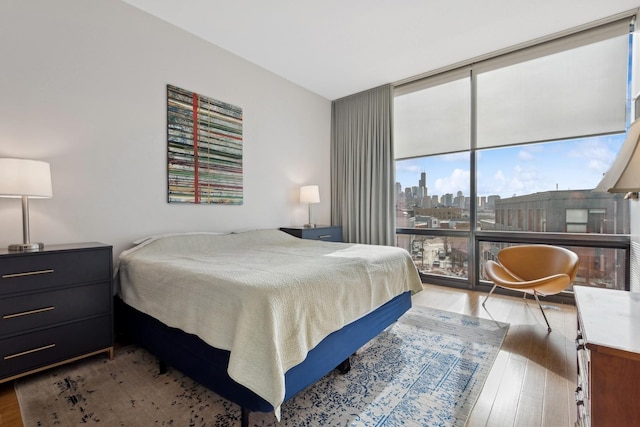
605,258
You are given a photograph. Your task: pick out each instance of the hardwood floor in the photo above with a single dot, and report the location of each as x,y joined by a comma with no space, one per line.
9,409
532,380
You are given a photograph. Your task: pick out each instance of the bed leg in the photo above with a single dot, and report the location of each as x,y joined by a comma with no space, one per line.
345,366
162,367
244,417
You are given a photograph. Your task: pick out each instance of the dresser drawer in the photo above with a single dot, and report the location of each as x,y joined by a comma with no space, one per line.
34,350
28,312
328,234
34,271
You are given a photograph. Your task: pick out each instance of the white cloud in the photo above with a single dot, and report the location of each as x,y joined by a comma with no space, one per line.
525,155
493,185
408,167
597,152
457,181
598,165
517,181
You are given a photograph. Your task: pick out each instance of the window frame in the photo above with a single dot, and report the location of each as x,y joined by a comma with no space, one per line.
476,237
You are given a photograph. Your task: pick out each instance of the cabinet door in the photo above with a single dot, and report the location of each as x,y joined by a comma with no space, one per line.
614,390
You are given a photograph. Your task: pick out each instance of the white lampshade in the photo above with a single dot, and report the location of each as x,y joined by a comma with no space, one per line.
22,177
624,174
25,179
309,194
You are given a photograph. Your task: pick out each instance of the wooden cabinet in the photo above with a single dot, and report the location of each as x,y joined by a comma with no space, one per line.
322,232
608,345
56,306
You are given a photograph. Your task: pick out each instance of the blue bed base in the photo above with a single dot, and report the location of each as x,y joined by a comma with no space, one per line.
208,365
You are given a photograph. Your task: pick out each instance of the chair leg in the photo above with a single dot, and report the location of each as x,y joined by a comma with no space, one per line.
543,315
487,297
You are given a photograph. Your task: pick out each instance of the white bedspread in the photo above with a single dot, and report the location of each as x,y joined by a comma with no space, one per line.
265,296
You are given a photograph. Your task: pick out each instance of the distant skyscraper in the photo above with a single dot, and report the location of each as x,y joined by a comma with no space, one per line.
407,194
422,185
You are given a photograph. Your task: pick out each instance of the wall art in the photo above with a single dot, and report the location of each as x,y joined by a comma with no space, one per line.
204,142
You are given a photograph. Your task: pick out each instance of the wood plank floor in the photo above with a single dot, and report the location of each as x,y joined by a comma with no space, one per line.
532,380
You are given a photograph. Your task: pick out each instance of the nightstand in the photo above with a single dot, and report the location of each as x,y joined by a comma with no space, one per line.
56,307
327,233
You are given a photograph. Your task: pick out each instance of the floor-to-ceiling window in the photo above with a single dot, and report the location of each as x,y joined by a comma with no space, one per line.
507,150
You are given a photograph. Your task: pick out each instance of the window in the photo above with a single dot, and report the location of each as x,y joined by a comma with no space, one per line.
433,205
437,110
565,88
577,220
515,144
599,267
442,256
541,181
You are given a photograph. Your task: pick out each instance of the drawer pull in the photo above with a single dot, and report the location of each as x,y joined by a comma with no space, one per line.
24,353
29,273
324,236
26,313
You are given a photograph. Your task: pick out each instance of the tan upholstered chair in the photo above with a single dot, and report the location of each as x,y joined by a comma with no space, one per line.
533,269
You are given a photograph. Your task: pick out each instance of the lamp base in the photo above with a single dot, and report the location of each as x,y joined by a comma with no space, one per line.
26,247
309,226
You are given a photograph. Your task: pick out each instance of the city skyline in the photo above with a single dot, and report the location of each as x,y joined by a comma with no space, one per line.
576,164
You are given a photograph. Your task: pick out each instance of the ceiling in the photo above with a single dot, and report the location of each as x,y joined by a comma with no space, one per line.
335,48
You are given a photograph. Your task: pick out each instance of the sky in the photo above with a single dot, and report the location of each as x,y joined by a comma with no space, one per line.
576,164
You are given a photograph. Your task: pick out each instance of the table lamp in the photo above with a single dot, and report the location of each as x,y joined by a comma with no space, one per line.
624,174
26,179
309,194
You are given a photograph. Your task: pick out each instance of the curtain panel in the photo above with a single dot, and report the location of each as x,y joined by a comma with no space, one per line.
362,167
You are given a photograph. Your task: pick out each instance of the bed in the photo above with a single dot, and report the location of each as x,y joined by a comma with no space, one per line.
258,316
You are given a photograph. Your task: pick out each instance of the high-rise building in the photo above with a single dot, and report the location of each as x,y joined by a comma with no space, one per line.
422,185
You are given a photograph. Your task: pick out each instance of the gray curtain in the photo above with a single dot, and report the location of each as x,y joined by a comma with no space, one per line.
362,167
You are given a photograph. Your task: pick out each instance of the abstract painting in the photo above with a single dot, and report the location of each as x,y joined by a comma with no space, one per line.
204,140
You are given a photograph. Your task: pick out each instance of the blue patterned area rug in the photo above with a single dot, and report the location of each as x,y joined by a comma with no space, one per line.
427,369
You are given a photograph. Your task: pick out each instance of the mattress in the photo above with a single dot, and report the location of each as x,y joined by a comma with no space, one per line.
265,296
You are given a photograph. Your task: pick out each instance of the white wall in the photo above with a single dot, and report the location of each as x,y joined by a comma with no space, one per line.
83,86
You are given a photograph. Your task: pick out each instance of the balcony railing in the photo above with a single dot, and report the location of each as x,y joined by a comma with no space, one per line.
457,257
